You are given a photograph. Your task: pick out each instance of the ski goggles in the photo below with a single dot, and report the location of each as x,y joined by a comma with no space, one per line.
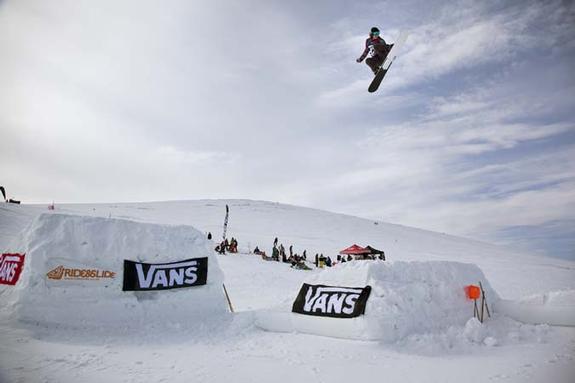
375,33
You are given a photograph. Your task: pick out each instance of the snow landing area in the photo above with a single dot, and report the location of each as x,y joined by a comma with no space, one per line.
554,308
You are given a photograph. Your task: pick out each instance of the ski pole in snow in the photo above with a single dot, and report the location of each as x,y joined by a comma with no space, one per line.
483,302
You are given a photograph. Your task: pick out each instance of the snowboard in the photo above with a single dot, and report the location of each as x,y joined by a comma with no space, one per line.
389,59
377,79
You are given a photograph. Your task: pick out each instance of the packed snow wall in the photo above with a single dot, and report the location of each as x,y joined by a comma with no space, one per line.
406,298
554,308
85,271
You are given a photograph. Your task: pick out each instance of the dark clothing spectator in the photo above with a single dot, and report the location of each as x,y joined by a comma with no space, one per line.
233,245
210,236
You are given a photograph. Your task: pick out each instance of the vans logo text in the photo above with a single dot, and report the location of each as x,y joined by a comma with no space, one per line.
331,301
10,268
162,276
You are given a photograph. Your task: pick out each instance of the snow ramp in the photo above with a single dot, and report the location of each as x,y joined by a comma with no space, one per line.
83,272
553,308
406,298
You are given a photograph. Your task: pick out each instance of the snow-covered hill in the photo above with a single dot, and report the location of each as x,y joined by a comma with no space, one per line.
242,352
257,223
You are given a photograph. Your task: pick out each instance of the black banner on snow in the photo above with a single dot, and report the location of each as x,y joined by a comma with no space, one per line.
163,276
331,301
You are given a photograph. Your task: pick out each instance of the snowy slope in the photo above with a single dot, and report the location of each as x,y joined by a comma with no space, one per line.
512,274
245,353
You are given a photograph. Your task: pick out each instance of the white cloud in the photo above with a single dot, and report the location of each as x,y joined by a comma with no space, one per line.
120,101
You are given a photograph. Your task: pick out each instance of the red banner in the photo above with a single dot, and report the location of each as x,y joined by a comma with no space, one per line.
11,266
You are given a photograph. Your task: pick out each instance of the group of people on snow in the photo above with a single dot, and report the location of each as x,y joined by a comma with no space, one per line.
300,261
230,246
297,261
279,255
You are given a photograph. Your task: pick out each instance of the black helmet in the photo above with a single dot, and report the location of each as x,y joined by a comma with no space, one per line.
374,29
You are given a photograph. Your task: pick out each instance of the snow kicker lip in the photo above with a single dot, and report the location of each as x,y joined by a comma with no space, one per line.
140,276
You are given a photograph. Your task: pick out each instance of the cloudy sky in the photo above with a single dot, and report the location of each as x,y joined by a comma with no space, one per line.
472,132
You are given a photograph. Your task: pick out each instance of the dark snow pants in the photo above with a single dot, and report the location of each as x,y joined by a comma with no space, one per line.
379,55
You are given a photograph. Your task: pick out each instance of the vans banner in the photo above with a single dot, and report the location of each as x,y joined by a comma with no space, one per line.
10,268
163,276
331,301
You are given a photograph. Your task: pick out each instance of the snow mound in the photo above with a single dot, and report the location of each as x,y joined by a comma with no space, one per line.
73,275
553,308
407,298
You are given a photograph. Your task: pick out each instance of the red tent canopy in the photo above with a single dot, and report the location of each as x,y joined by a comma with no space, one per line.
355,250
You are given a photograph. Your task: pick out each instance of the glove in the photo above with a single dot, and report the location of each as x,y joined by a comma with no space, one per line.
358,60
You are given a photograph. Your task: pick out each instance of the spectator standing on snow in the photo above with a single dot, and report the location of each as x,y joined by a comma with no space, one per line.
209,236
321,260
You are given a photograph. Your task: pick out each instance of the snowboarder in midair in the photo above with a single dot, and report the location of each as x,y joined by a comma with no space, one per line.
378,49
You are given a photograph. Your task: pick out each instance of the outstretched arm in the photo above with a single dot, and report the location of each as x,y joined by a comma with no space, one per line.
364,54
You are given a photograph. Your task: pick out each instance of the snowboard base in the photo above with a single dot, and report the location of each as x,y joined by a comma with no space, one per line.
377,80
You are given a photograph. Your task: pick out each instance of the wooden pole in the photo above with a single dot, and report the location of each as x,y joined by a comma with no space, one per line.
482,303
484,300
228,298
